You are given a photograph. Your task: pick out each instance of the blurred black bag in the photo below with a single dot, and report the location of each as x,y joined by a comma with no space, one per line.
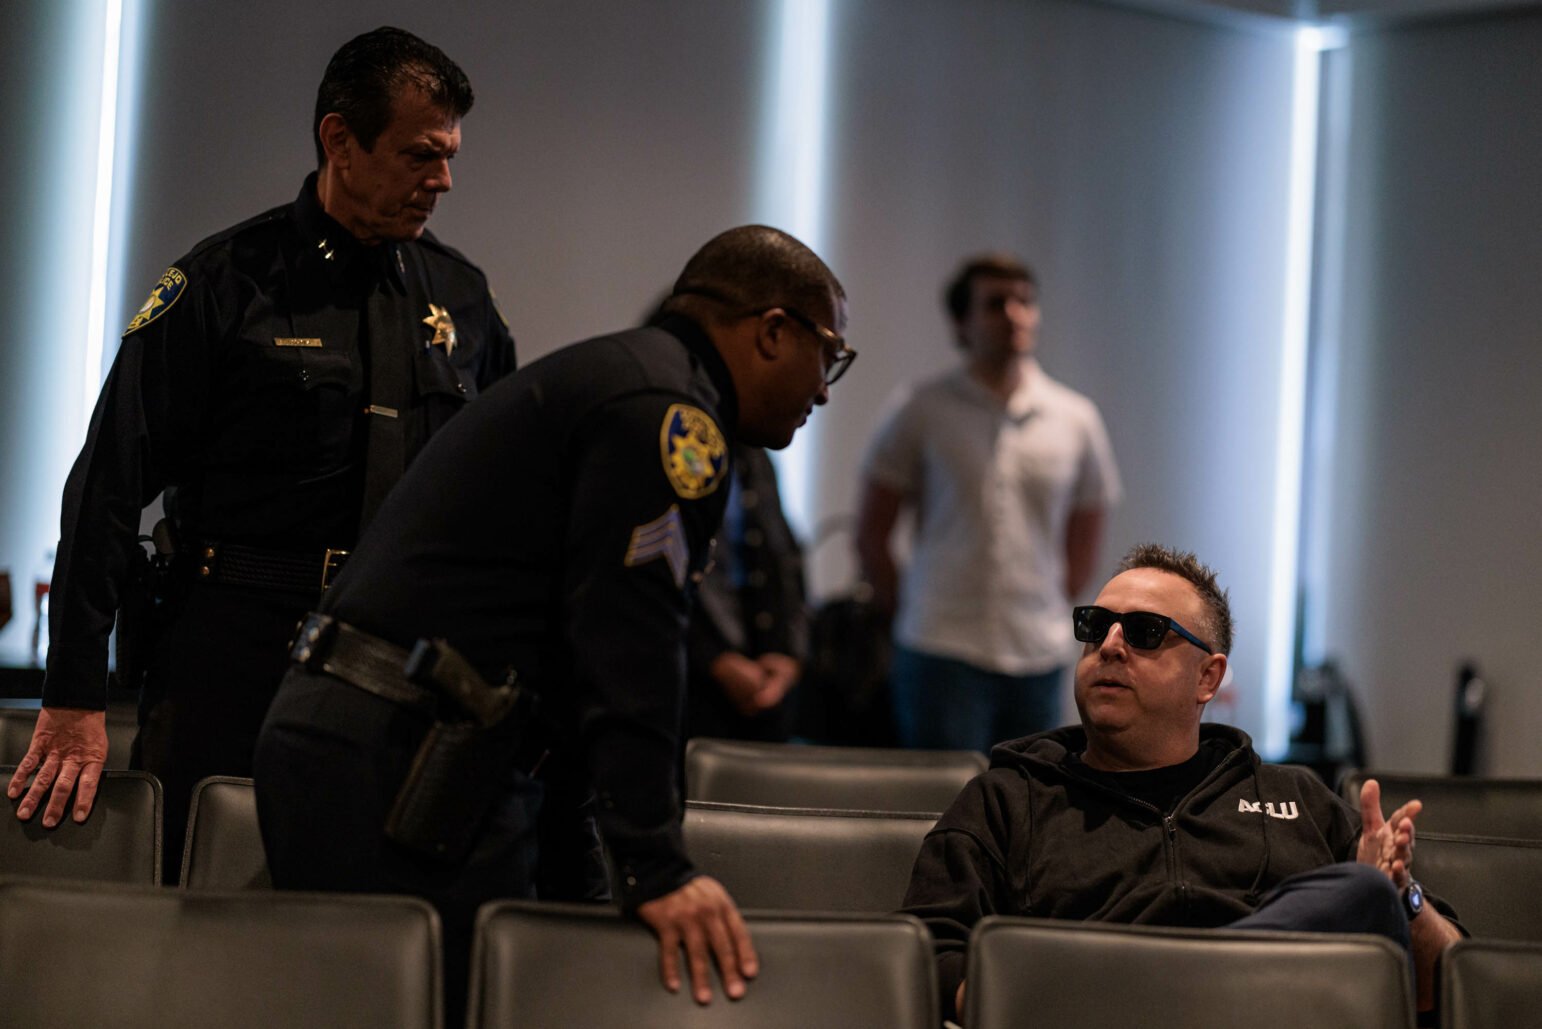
843,698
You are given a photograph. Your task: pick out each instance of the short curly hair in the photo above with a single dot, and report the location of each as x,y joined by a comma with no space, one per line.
1185,565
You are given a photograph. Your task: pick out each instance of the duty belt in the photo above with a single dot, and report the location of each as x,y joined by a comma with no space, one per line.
232,564
324,644
366,662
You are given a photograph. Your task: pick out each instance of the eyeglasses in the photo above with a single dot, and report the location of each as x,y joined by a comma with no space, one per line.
838,362
1143,630
843,356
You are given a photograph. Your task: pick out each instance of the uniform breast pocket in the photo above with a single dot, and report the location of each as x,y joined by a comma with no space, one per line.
443,387
297,406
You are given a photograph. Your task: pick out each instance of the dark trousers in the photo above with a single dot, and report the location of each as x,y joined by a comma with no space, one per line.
1344,898
214,670
329,762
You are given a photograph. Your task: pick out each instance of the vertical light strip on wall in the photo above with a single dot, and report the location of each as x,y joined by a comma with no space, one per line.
101,219
1319,463
1284,568
792,174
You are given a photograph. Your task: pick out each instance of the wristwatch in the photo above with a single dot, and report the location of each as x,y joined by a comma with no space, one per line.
1413,899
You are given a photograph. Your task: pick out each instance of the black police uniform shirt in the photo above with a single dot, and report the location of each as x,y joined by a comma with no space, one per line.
240,389
557,528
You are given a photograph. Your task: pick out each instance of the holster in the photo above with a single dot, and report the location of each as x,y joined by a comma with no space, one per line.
451,788
139,619
458,773
479,733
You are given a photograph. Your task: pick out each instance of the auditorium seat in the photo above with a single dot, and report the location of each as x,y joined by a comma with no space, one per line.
17,717
1490,984
1093,974
149,958
857,778
224,845
1510,808
806,860
556,966
1494,884
119,842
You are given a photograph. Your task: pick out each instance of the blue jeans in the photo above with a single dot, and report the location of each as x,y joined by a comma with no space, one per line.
941,703
1342,898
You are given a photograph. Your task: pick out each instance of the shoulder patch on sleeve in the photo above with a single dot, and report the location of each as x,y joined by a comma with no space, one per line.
694,452
663,537
161,298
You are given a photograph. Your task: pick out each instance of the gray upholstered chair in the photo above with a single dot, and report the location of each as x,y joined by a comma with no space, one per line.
806,860
224,844
1084,974
857,778
1490,984
149,958
1494,884
119,842
1510,808
561,965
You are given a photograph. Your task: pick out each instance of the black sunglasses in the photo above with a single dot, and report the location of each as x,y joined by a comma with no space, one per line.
1143,630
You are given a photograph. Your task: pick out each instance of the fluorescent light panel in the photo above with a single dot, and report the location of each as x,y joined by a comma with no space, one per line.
101,221
1284,565
792,188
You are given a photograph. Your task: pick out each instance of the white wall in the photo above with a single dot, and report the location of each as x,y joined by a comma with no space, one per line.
1434,540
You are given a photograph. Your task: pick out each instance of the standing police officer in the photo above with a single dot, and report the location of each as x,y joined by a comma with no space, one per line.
275,385
547,541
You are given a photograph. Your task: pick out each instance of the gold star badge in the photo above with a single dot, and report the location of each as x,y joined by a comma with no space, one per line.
444,328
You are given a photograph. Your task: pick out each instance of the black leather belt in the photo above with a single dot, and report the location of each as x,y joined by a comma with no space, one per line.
324,644
232,564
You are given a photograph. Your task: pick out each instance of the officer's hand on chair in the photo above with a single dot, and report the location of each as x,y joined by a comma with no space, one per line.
69,747
701,917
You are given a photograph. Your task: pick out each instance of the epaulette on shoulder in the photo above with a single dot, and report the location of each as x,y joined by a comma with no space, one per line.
267,220
434,243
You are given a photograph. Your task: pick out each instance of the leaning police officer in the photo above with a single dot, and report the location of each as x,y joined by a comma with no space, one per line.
516,618
275,385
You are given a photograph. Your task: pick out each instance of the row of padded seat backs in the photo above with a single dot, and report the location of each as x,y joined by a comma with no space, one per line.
854,778
836,861
1509,808
820,860
18,717
138,957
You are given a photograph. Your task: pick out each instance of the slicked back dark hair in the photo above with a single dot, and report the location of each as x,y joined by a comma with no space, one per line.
752,268
367,74
960,288
1185,565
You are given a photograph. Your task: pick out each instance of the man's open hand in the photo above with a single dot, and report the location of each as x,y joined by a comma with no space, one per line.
701,917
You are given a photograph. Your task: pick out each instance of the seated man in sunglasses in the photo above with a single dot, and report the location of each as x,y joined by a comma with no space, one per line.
1144,815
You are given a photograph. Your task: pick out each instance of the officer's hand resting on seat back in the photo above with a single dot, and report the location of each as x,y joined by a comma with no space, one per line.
69,747
701,917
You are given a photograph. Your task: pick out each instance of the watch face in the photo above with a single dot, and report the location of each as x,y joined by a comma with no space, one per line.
1413,899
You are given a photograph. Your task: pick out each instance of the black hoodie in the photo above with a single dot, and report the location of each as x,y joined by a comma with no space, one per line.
1035,835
